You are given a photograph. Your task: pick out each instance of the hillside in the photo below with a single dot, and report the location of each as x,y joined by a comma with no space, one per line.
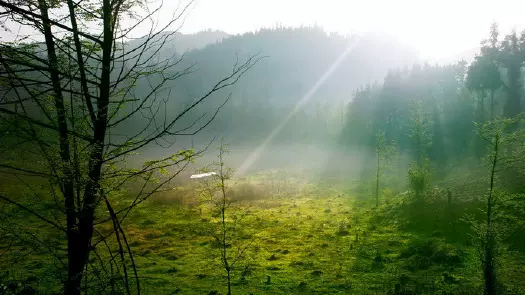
294,60
181,43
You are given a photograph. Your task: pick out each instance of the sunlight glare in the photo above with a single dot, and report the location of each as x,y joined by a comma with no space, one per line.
254,155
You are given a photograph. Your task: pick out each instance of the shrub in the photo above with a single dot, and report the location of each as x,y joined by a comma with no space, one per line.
419,176
247,192
422,254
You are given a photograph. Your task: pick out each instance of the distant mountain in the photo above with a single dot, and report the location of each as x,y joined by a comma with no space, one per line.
297,59
179,43
185,42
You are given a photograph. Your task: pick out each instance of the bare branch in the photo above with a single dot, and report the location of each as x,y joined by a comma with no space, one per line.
34,17
33,212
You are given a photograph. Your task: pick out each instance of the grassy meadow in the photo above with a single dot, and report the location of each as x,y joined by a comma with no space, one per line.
300,237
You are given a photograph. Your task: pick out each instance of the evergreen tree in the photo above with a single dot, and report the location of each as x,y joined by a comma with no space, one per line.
385,151
419,172
511,58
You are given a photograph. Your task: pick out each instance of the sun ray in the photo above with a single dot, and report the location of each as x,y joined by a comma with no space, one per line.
255,154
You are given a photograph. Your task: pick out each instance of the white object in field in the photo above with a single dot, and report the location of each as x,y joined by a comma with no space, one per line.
203,175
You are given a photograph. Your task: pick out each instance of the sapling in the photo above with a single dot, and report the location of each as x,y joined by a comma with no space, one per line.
228,227
385,151
500,139
419,173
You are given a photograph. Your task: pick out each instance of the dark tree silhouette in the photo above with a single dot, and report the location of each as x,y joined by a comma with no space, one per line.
69,87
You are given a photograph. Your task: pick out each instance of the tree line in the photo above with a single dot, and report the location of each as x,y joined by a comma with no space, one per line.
441,119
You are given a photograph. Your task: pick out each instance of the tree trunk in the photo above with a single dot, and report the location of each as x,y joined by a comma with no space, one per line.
492,104
377,176
481,106
229,283
512,105
79,243
489,274
77,253
488,271
74,276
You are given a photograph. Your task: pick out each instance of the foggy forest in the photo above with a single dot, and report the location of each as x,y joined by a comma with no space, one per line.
138,158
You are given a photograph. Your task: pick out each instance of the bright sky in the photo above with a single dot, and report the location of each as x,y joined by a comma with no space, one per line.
437,28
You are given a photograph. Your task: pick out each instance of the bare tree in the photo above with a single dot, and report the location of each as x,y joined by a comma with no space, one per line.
69,96
228,225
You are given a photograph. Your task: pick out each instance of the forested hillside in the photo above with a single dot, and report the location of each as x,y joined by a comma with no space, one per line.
295,60
445,103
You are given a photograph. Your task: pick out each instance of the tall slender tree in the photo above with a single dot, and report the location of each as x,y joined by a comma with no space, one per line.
498,136
228,226
493,75
69,84
419,172
511,58
385,151
483,76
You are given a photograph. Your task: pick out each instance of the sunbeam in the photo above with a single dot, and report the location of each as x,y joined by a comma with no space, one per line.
254,155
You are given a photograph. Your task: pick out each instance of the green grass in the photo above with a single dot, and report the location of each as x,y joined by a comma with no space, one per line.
308,239
310,243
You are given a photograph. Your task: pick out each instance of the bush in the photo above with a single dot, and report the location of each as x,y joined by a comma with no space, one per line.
422,254
419,176
247,192
173,197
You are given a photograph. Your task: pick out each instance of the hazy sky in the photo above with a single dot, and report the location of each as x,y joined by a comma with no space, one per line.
437,28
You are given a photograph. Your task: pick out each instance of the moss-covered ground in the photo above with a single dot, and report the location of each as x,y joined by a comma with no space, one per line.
305,238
